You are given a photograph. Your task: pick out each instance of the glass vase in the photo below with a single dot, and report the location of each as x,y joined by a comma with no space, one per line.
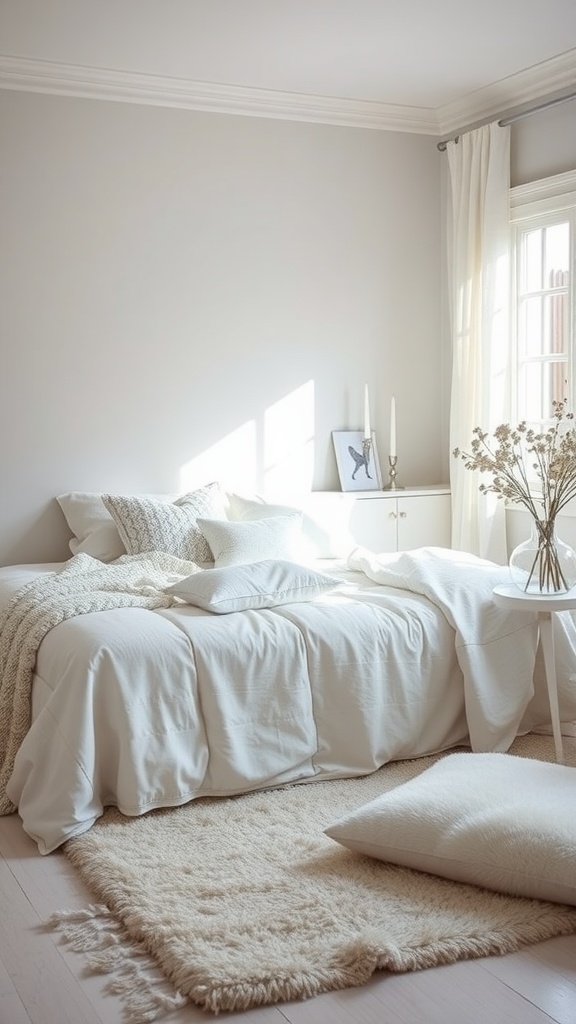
543,564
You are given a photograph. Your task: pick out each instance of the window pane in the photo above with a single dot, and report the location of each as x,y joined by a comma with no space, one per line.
539,384
556,323
555,377
557,255
530,392
533,261
531,331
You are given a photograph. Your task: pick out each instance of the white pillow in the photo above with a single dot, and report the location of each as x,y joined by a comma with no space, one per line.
94,531
495,820
257,585
325,520
104,543
237,543
147,525
242,509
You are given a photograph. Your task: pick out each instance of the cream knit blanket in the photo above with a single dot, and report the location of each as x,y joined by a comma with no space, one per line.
83,585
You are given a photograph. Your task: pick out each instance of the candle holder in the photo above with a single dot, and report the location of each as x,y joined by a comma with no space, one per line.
392,485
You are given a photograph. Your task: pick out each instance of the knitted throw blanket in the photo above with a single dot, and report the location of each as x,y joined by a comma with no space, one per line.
83,585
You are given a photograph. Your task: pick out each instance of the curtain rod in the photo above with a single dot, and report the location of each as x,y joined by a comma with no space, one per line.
507,119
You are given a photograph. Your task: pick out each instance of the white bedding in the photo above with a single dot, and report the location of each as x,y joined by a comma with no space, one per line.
144,709
496,653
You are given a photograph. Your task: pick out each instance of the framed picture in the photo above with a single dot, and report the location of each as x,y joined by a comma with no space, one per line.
358,465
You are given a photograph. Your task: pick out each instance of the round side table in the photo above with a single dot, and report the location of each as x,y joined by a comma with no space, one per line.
510,596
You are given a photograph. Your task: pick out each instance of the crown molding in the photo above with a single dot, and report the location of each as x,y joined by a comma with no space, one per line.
545,196
60,79
509,95
542,81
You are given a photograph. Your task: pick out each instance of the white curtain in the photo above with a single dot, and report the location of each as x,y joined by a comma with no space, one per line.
478,272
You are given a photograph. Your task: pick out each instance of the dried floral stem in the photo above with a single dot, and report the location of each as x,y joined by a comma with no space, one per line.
551,579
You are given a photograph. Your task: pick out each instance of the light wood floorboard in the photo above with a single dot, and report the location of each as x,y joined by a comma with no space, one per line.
41,982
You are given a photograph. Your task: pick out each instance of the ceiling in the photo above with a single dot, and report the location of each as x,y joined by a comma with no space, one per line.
427,66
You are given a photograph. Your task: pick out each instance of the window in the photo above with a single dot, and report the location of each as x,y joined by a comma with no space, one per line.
543,216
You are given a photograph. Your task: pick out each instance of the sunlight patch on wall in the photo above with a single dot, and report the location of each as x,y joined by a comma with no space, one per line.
233,461
289,443
273,455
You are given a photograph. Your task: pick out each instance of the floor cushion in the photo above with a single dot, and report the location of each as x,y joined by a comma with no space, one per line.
497,820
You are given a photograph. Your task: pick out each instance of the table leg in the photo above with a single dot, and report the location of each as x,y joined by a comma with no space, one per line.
547,639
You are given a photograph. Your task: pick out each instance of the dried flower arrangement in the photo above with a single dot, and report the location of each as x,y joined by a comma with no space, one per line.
522,455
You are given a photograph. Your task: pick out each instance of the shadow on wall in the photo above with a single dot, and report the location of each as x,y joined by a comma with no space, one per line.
43,538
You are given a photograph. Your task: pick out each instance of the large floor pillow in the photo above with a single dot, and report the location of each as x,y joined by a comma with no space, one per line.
496,820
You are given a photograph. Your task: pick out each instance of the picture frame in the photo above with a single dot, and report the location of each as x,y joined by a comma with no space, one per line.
355,471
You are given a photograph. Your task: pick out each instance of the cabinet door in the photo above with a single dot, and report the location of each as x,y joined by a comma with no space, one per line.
424,521
374,523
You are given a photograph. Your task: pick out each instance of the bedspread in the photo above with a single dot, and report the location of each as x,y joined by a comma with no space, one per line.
155,703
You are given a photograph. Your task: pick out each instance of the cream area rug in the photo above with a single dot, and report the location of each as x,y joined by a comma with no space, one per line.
244,901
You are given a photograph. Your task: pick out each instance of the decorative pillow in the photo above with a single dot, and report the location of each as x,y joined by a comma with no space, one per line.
495,820
147,525
237,543
94,531
257,585
326,518
242,509
103,543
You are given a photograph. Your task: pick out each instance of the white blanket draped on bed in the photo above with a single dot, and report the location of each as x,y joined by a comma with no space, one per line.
84,585
496,652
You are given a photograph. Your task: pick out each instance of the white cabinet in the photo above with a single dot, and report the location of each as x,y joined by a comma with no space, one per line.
399,521
336,521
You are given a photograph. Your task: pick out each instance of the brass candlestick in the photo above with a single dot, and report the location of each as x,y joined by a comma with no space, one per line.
392,485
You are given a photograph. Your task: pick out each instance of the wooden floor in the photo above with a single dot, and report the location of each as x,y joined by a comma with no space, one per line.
43,982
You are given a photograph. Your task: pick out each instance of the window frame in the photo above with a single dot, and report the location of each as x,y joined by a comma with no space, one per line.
535,205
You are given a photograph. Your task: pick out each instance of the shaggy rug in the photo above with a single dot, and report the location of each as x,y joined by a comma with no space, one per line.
244,901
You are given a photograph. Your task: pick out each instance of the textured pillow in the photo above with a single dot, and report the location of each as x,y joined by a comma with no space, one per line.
237,543
147,525
495,820
257,585
94,531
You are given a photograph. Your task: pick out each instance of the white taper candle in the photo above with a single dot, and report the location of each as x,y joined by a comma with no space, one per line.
367,430
392,451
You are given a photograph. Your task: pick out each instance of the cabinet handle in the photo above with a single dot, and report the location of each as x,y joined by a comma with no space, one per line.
392,515
403,515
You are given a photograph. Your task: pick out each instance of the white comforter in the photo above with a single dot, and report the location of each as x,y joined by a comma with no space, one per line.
144,709
495,652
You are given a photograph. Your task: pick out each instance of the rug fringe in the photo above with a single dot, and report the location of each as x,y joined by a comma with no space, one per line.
146,994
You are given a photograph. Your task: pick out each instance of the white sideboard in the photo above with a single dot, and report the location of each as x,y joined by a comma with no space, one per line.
337,521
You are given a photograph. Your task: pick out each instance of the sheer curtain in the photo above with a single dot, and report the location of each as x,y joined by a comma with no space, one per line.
478,274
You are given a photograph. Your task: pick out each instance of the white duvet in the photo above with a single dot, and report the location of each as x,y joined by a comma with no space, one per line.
146,708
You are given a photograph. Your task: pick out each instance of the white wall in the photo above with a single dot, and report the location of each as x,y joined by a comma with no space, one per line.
543,144
189,296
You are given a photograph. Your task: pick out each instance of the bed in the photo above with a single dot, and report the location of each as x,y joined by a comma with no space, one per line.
217,655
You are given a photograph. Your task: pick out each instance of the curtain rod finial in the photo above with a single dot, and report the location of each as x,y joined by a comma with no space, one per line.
442,145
